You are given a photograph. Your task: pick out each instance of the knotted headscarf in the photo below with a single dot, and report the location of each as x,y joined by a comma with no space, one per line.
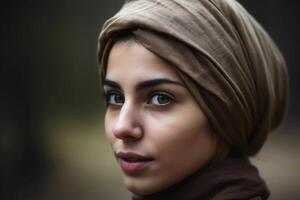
225,58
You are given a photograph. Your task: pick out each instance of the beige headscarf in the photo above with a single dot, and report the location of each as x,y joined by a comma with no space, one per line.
226,59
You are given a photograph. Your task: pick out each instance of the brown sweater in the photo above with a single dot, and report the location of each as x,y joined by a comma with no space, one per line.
231,179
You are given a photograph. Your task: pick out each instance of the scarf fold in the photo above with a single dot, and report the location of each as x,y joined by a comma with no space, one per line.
231,179
226,59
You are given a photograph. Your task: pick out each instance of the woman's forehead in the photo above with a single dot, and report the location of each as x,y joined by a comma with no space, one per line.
135,63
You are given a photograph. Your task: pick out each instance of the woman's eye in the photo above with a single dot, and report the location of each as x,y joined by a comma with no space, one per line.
114,98
160,99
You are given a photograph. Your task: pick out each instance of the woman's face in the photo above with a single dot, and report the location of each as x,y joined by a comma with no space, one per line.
156,129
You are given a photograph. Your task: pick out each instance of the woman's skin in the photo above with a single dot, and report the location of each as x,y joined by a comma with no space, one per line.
150,113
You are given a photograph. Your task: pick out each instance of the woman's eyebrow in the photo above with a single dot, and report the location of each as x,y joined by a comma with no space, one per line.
143,84
111,83
154,82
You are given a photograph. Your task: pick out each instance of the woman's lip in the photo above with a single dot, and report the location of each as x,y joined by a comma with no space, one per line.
133,156
133,168
133,163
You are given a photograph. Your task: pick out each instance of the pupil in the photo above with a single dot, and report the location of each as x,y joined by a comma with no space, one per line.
162,99
119,99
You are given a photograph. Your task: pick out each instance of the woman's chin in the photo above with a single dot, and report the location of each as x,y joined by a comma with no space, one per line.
141,188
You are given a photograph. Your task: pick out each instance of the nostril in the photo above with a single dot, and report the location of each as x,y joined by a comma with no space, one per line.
129,138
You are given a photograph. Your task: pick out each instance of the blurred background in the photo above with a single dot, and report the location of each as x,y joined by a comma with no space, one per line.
52,143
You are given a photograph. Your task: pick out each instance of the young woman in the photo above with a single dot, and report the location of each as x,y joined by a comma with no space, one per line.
192,89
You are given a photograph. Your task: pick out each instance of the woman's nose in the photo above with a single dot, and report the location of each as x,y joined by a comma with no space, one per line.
128,124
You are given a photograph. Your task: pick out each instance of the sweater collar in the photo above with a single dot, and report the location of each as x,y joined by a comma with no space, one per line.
227,179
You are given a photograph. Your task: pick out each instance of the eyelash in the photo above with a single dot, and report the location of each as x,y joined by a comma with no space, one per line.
108,95
169,97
